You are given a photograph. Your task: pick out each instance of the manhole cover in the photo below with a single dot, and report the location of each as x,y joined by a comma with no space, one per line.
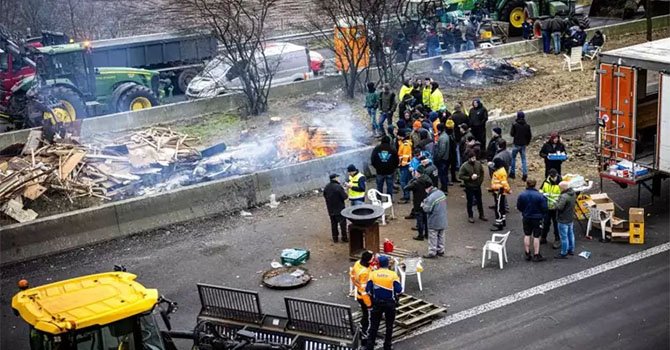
286,277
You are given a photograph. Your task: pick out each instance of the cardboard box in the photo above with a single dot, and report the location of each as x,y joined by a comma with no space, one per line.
636,215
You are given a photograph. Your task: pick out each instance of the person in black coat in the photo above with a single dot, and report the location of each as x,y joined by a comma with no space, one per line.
335,196
384,159
478,116
554,145
522,135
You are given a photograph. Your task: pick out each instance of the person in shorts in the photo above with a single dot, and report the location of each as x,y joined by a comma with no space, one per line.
533,207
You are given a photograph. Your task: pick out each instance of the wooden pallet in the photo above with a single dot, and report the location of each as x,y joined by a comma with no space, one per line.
413,313
399,252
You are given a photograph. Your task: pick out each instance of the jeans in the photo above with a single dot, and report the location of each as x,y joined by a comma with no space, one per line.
421,223
405,176
435,242
546,224
458,156
556,36
335,222
546,42
388,179
442,173
587,48
469,45
385,116
473,195
567,232
357,201
372,112
386,308
524,167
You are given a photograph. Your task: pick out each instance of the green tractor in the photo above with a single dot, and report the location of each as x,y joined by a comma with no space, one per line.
67,87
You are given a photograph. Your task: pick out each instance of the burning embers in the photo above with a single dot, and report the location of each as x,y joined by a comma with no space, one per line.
305,143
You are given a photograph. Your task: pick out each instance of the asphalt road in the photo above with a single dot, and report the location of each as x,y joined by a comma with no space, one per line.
625,308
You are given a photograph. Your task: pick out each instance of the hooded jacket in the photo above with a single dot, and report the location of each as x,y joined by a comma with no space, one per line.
492,147
418,188
435,206
442,148
478,116
436,100
532,204
387,102
459,118
335,196
521,132
384,159
404,90
565,207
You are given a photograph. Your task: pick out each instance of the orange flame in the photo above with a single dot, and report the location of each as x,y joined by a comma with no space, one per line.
305,143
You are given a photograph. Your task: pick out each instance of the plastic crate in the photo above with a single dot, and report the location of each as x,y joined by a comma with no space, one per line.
553,156
294,256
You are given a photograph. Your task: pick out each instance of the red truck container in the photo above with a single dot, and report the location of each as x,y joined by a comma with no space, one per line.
634,114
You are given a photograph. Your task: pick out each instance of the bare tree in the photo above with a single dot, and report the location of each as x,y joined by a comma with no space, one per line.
239,25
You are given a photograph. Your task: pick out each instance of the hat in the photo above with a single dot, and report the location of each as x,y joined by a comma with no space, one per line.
416,125
497,130
498,163
553,135
553,172
520,115
351,168
386,139
366,256
334,176
383,261
449,124
422,157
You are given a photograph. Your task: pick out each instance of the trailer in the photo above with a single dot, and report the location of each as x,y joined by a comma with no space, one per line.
176,56
633,111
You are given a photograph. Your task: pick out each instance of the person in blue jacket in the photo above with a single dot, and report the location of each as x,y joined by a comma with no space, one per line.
533,207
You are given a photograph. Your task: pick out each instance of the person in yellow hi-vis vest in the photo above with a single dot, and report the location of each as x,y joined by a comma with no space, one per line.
359,276
384,288
500,188
436,98
355,186
404,157
427,89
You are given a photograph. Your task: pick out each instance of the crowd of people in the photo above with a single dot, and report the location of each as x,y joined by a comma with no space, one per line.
427,151
560,35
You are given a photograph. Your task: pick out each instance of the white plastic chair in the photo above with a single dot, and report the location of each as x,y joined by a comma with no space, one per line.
496,245
597,216
382,200
574,61
412,267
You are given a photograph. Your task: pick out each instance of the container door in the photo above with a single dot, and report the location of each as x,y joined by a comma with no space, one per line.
616,111
663,151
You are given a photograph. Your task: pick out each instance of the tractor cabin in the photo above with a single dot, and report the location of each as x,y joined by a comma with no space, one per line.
633,108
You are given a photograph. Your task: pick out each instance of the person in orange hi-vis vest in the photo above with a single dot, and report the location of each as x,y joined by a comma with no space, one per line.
500,188
404,156
359,275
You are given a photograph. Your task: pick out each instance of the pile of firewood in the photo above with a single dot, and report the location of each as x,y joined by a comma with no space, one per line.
105,171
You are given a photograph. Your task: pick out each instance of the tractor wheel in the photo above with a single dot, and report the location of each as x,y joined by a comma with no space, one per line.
136,98
514,13
66,104
184,78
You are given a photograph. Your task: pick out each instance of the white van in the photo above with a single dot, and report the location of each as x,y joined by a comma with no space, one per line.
220,77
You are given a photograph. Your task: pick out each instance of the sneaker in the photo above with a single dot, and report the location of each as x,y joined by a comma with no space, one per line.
524,178
538,258
471,220
483,218
492,206
418,238
527,256
496,228
561,256
556,245
345,240
571,253
429,256
414,228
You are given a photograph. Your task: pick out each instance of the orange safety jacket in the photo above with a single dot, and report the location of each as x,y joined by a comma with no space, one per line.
405,152
359,277
499,180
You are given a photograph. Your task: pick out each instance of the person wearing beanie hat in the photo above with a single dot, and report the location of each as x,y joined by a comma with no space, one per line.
355,186
384,159
533,207
435,207
492,148
441,157
359,276
371,104
478,116
384,288
335,196
500,188
522,135
472,175
552,146
418,188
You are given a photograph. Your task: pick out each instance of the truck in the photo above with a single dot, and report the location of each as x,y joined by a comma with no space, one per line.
633,115
112,310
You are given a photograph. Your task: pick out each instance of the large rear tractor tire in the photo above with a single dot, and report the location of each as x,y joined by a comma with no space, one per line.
184,78
136,98
514,13
65,103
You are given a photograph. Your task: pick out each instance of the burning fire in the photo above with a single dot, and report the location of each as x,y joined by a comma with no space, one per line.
305,143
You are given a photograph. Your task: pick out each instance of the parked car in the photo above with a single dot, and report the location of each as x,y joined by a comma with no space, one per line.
289,62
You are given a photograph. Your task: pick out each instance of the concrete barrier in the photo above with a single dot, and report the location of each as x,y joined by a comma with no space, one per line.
79,228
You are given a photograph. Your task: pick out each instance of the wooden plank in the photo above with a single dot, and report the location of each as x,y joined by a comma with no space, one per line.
428,315
414,310
405,306
14,209
33,191
70,164
33,142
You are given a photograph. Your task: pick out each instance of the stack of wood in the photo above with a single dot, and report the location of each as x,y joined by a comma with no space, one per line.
102,171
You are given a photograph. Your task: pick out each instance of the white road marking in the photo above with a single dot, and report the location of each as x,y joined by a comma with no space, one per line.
541,289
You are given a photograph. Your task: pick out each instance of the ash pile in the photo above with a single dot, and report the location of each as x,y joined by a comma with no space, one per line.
484,70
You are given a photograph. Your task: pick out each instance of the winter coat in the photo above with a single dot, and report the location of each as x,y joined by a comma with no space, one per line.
452,149
387,102
556,24
499,181
372,100
417,97
471,32
416,185
597,40
506,156
404,90
478,116
425,96
431,171
492,148
565,207
435,206
459,118
548,148
436,100
335,196
384,159
532,204
521,132
551,190
466,172
442,149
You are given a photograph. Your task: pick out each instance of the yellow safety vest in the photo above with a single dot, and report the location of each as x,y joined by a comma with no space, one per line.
353,182
552,192
436,100
404,90
359,276
425,96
